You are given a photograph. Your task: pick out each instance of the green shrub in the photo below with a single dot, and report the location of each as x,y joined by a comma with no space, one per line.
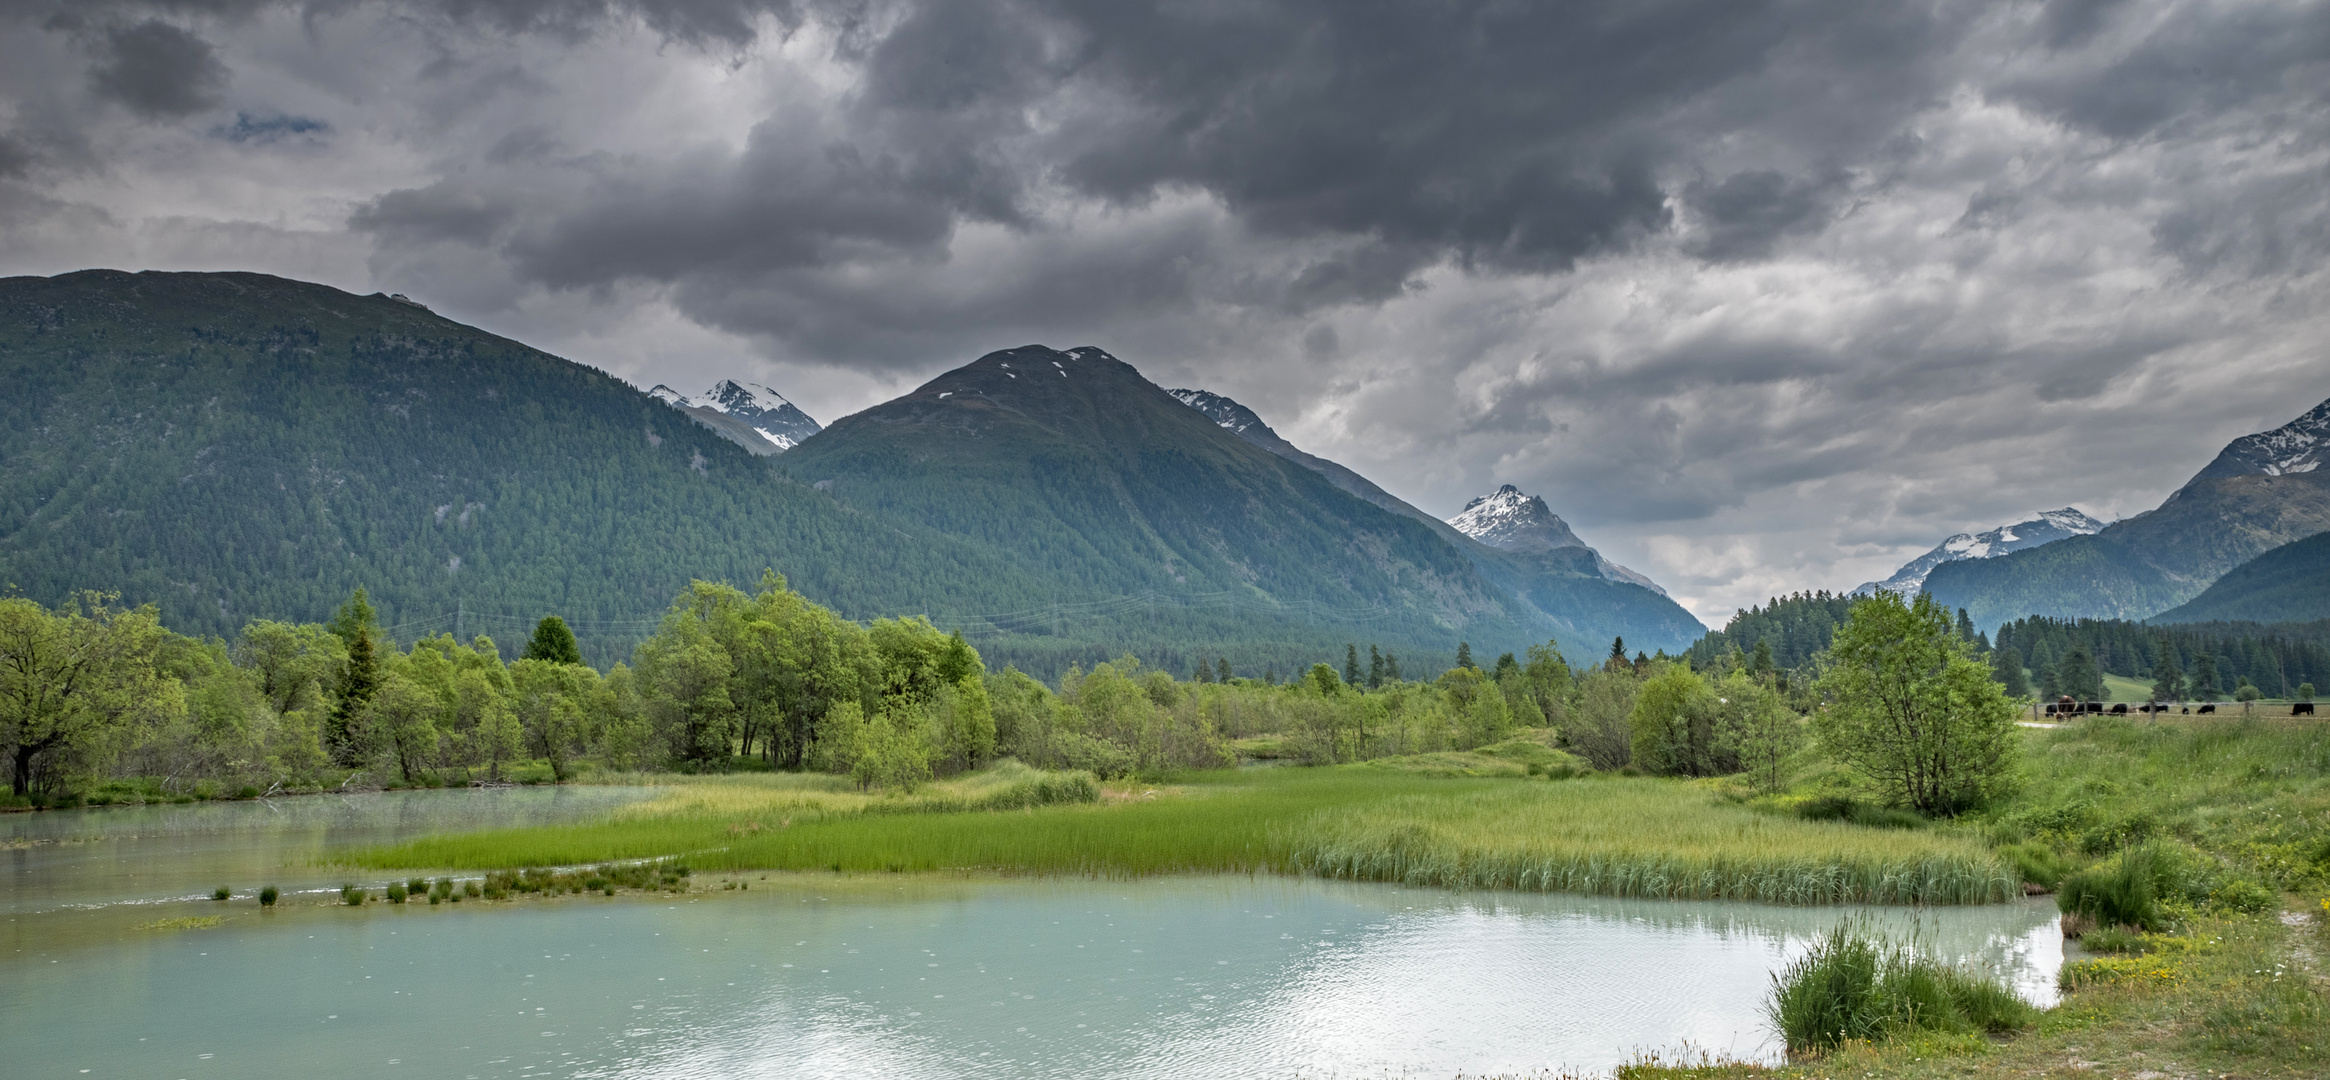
1857,985
351,896
396,892
2037,863
247,791
267,896
2112,939
221,893
2123,892
2243,895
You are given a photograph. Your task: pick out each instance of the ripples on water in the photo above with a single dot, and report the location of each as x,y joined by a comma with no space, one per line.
937,978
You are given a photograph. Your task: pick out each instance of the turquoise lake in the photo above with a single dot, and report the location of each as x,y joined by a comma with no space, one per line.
829,976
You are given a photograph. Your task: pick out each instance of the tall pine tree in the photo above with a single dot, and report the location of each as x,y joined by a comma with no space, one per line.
1374,667
1351,665
343,734
2168,679
2007,665
1464,655
554,642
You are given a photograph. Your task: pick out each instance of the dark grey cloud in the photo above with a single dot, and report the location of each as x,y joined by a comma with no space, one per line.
1747,213
1740,285
248,128
158,70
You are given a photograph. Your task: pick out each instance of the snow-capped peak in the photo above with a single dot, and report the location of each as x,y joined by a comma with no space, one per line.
1513,521
2044,527
1508,520
763,411
2294,447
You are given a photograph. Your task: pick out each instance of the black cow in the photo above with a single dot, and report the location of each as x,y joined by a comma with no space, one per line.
2188,710
2092,707
2120,709
2050,710
2303,708
2207,709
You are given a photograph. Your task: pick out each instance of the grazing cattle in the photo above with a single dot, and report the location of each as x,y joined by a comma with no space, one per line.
2120,709
2207,709
2303,708
2188,710
2050,710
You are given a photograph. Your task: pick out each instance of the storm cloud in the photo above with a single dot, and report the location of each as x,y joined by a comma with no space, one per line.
1761,295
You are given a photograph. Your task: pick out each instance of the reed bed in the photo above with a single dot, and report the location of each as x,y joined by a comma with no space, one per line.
1646,838
1618,837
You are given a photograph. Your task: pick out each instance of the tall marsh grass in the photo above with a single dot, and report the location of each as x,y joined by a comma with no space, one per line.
1640,838
1855,985
1618,837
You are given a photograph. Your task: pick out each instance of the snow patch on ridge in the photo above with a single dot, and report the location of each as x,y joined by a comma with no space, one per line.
2045,527
763,410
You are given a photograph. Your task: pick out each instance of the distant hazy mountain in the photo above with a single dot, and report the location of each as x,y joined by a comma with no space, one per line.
747,414
2289,584
2261,492
1592,598
2045,528
1508,520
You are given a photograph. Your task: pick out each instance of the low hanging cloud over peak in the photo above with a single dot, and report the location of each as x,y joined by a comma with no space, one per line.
1760,295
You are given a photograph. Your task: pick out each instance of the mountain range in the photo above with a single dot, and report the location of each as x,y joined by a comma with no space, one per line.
2045,527
238,446
2261,492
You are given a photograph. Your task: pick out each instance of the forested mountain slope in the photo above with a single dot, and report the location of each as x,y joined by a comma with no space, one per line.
1073,460
237,446
1589,597
2291,583
232,446
2261,492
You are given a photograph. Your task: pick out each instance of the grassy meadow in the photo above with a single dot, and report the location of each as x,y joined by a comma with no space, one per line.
1618,836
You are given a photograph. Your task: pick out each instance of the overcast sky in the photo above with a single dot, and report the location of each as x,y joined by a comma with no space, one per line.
1760,296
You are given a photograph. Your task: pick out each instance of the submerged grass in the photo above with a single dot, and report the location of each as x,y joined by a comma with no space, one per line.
1620,837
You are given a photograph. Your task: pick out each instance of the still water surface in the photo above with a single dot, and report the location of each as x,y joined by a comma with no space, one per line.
823,976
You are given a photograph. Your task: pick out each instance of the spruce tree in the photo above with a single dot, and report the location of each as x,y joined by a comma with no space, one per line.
1617,651
343,737
1221,669
2204,677
1374,667
2077,676
1391,668
2007,665
552,641
1761,665
1464,655
1965,626
2168,680
1351,665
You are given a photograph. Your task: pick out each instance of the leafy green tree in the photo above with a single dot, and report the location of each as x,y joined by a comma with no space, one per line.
2247,691
1757,729
1599,730
2305,691
1673,723
1324,681
76,679
552,641
493,733
2006,664
404,713
550,701
1913,711
1547,676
